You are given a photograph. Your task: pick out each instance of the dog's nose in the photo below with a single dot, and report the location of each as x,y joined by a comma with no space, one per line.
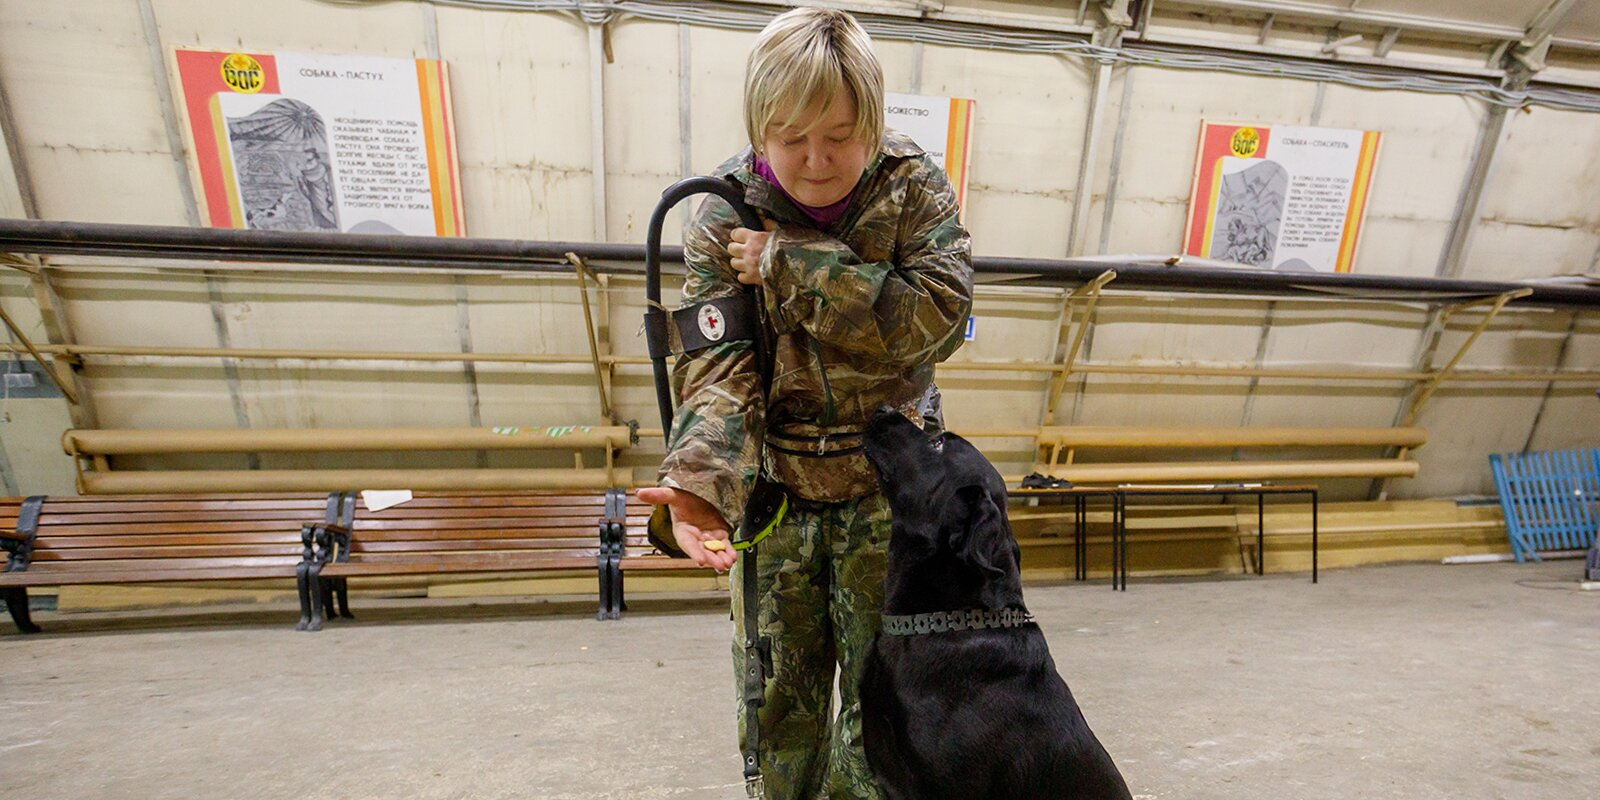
882,415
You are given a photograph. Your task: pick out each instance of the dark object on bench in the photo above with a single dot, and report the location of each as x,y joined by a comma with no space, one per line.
66,541
450,533
1035,480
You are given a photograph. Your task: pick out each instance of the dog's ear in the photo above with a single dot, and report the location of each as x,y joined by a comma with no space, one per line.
978,526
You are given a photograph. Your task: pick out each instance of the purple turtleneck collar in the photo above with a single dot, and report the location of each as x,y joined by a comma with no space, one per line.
825,217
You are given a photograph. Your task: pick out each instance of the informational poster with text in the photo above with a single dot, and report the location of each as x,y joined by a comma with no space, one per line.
941,126
1280,197
294,142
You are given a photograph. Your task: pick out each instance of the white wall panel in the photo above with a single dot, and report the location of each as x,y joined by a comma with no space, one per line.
716,95
520,83
1027,133
10,189
1541,210
92,133
642,142
1423,157
1465,423
299,26
96,146
1165,113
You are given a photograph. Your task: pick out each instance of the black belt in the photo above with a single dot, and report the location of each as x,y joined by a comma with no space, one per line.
824,445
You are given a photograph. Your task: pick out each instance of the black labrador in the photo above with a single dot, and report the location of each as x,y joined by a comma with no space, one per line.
972,708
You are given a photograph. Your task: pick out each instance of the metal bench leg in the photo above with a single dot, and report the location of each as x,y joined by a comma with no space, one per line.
619,600
1261,534
342,589
302,586
17,604
315,588
603,572
326,587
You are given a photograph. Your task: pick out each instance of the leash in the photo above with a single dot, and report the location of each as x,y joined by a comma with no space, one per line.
735,318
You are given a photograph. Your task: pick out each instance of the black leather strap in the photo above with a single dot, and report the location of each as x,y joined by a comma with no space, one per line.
697,326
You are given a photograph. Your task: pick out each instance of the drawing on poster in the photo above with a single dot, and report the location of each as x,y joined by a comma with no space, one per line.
1281,197
280,152
1249,211
322,143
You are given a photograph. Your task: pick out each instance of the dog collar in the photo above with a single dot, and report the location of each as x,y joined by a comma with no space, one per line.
941,621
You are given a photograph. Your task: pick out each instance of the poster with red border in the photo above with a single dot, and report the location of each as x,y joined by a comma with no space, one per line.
305,142
1280,197
941,126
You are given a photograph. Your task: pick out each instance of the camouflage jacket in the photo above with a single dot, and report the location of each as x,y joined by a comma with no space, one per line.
857,318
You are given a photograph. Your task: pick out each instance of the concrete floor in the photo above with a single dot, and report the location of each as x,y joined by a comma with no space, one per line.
1417,681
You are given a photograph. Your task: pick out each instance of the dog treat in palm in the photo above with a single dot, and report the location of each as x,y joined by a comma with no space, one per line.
714,545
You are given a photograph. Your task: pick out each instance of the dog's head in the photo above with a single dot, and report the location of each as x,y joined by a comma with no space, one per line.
952,546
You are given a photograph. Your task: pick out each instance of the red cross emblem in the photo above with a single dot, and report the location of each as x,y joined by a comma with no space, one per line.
711,323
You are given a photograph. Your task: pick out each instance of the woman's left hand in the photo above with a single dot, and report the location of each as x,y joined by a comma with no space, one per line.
745,250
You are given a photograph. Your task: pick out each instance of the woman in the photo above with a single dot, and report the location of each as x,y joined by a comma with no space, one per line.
866,278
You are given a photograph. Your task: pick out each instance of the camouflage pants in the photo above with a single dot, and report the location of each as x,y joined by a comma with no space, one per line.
821,582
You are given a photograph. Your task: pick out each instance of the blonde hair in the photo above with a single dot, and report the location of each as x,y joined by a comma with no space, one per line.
808,56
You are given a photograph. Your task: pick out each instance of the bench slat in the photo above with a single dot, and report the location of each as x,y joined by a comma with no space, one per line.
170,503
480,563
1228,470
280,536
147,552
146,575
366,548
310,480
165,518
528,500
588,533
657,562
591,522
107,441
218,526
159,563
1126,436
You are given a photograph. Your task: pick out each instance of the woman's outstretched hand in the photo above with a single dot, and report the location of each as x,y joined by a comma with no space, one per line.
695,522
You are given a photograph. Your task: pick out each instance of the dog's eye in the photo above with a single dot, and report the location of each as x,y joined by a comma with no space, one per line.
938,445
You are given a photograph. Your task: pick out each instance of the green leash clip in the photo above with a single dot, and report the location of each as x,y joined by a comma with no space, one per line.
772,524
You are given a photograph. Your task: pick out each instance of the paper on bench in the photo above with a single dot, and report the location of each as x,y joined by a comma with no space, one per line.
1206,486
380,499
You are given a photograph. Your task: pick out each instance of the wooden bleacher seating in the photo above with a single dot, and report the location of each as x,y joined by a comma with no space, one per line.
95,452
67,541
1061,447
455,533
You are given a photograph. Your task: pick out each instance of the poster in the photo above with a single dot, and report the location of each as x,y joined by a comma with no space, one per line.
285,141
941,126
1280,197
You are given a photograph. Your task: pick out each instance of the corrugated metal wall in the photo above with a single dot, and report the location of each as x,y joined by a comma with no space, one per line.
84,82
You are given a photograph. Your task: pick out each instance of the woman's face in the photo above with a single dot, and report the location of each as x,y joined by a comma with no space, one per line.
819,166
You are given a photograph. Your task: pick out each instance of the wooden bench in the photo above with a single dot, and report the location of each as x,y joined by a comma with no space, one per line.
66,541
94,454
454,533
1060,447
